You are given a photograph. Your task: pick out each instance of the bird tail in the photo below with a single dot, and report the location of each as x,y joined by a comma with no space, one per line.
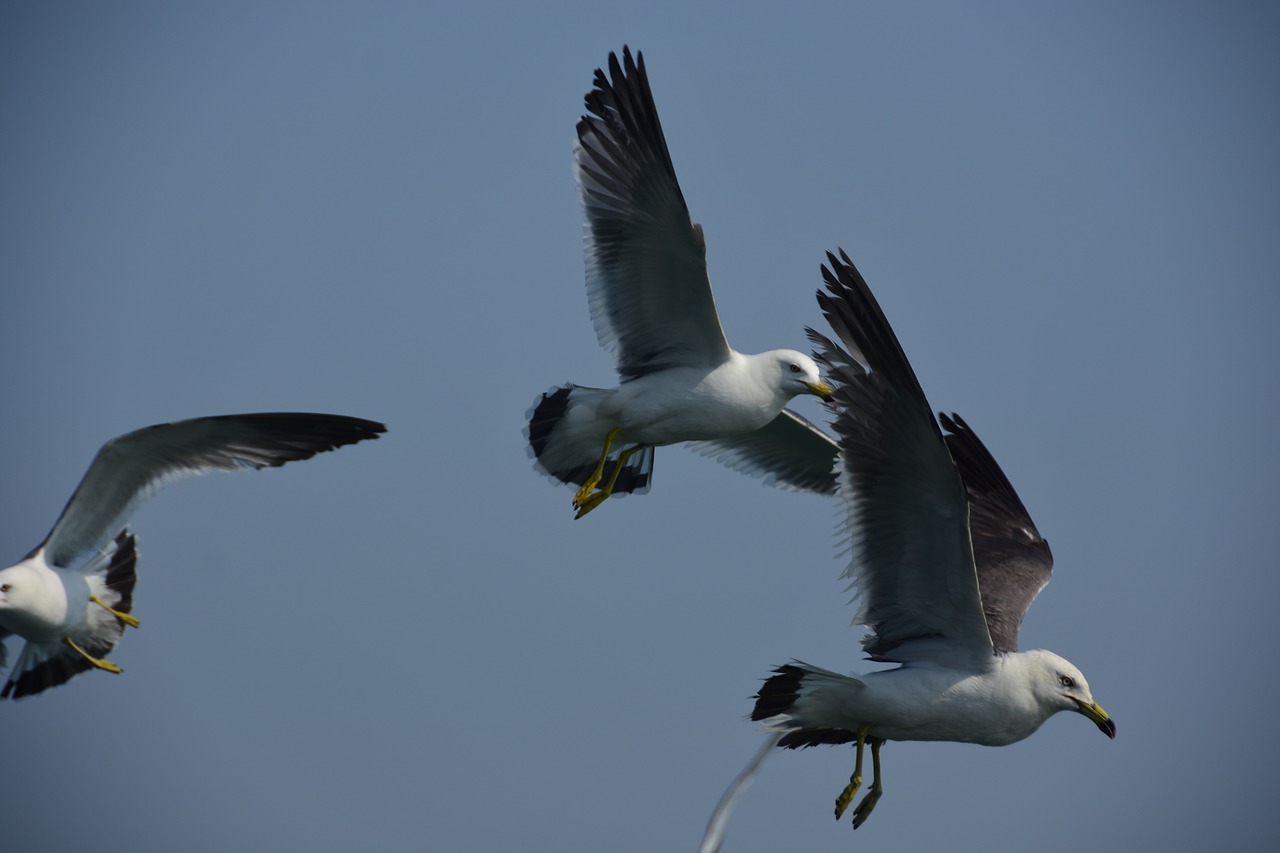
566,439
43,665
799,699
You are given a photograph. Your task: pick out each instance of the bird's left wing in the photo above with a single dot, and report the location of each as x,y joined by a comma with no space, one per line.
789,452
906,513
647,284
131,467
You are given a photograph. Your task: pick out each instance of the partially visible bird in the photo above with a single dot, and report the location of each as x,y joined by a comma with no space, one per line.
651,304
945,560
72,617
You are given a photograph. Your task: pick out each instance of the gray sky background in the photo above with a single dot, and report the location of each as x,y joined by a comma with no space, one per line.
1069,214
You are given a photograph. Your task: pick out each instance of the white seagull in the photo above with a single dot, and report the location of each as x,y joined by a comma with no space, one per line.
651,304
946,562
71,618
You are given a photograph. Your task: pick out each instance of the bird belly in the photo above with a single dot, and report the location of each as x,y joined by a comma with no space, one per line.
913,704
690,405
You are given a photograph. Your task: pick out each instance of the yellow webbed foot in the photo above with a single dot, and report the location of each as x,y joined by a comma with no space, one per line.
847,795
590,503
580,496
584,491
855,781
587,504
122,616
98,662
863,811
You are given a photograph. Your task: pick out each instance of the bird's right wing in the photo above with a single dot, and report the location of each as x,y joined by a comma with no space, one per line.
131,467
647,284
906,513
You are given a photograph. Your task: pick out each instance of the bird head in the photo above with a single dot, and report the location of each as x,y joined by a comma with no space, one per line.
800,374
20,586
1060,686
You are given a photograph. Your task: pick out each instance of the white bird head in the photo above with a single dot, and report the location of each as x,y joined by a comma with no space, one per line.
24,598
1060,686
798,374
15,583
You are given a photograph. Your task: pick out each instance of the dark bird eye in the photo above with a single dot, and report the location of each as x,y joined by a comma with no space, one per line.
1066,681
4,587
795,368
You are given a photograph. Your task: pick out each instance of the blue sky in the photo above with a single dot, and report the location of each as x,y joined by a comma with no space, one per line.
1069,215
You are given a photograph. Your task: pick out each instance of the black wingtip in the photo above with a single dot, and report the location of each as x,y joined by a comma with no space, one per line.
301,435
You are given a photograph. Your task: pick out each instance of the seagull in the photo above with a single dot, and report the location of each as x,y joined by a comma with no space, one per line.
71,618
651,305
946,561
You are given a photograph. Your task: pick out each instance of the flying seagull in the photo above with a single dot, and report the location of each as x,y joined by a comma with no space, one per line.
651,304
946,561
71,618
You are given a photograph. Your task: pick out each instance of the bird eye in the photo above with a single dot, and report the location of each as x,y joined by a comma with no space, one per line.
4,587
1066,681
795,368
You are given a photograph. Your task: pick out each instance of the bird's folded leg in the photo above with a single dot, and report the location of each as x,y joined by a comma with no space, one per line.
595,500
580,496
863,811
855,781
123,617
98,662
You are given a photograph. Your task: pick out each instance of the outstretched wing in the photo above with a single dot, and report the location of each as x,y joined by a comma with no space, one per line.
130,468
1013,559
789,452
907,514
647,284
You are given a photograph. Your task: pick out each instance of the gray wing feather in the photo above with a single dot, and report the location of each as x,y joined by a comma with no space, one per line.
130,468
1014,561
789,452
906,511
647,284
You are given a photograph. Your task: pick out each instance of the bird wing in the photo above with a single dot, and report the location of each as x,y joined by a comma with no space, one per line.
789,452
1014,561
906,513
131,467
646,261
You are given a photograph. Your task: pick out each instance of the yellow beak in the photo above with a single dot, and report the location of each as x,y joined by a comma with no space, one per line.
819,389
1100,718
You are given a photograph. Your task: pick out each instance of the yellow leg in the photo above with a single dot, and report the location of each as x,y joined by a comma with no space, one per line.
855,781
581,495
123,617
863,811
98,662
607,489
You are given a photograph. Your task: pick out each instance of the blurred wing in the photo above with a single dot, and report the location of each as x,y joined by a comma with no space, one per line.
130,468
713,837
906,512
789,452
1014,561
647,283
